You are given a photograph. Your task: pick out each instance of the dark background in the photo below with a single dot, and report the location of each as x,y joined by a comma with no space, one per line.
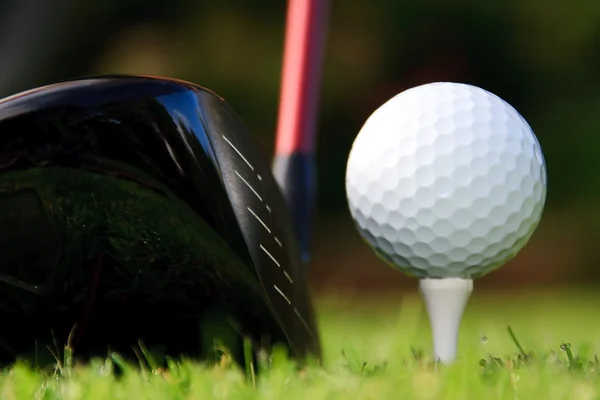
542,56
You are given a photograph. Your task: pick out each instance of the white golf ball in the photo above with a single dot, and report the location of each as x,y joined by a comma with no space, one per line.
446,180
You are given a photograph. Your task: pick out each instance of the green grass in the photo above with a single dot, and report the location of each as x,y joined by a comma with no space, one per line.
375,349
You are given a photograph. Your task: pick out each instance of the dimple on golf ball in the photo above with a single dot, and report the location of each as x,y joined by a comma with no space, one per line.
446,180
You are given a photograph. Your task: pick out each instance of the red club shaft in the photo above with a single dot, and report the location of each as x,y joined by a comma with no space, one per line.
293,166
300,84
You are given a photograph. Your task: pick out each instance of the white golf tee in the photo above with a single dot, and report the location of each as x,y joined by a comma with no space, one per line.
445,300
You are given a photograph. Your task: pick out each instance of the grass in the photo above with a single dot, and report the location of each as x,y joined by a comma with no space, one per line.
374,349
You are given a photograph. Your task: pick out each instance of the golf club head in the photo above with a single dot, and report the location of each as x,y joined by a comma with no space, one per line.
143,199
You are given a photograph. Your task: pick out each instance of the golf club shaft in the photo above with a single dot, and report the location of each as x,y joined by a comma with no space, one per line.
294,163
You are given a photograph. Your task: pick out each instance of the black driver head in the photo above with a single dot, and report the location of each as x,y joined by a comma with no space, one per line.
139,208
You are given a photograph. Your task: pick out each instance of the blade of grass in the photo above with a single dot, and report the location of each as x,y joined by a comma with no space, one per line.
514,338
249,361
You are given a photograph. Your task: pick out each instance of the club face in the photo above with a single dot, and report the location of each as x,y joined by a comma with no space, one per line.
263,216
184,143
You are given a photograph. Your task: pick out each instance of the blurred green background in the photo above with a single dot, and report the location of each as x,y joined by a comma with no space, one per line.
542,56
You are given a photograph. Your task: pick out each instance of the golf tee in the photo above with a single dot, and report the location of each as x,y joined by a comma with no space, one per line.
445,300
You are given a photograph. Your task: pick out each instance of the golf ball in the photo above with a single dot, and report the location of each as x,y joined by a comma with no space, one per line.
446,180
